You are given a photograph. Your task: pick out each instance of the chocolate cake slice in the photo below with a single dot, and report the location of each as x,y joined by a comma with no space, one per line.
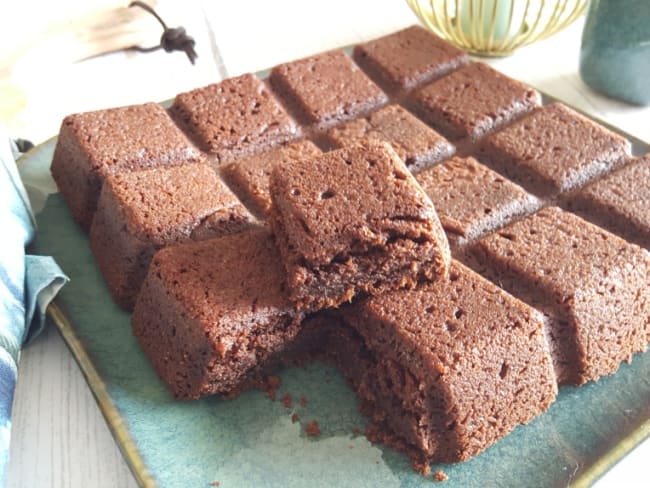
591,285
619,202
234,117
472,101
249,176
408,58
414,142
447,369
143,211
325,89
212,314
93,145
553,150
354,221
471,199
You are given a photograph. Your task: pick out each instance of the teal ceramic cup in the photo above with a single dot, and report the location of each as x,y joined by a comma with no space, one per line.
615,53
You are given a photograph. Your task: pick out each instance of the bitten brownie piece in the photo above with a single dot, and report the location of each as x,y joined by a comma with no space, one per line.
414,142
212,313
472,101
326,88
143,211
591,285
471,199
620,202
249,176
553,150
93,145
407,58
354,220
234,117
449,368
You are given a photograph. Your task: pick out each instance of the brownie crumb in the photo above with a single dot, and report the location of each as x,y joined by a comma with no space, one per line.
215,483
303,401
440,476
286,400
295,418
421,467
312,429
270,385
357,431
350,446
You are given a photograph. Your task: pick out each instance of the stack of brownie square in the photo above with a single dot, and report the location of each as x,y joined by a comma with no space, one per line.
395,213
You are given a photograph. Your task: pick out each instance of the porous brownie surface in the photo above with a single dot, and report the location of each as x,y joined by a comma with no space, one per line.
408,58
234,117
414,142
450,367
620,202
471,199
326,88
249,176
354,220
143,211
591,285
553,150
93,145
473,101
211,313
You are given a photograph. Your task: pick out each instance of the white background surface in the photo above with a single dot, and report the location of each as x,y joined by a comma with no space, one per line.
59,437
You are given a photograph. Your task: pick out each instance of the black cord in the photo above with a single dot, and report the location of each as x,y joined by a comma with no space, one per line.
175,39
23,145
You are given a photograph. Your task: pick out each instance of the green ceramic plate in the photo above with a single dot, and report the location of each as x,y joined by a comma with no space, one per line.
252,442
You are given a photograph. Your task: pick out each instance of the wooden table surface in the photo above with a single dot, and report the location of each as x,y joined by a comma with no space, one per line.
59,438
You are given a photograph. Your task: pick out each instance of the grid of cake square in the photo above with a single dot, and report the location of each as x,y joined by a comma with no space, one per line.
413,194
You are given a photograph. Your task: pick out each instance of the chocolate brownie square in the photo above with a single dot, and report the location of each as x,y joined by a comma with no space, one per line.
234,117
553,150
326,89
408,58
212,314
93,145
354,221
143,211
447,369
249,176
471,199
620,202
472,101
414,142
591,285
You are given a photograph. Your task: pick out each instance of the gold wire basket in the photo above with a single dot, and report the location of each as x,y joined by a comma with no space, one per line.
496,27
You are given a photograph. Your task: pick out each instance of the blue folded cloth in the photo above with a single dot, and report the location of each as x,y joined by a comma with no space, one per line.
27,285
